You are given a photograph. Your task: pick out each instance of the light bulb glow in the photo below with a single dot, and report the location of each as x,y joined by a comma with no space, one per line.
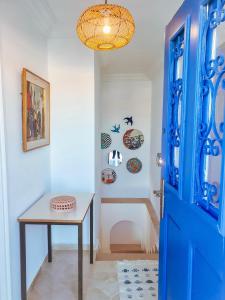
106,29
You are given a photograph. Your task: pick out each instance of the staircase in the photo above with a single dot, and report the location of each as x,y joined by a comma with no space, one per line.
128,252
154,250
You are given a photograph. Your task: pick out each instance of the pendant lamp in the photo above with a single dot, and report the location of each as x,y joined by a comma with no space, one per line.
105,27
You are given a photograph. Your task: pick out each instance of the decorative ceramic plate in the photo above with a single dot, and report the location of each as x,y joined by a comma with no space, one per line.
106,140
133,139
108,176
62,203
115,158
134,165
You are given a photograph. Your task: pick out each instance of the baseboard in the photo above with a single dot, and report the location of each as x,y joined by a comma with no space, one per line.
73,247
69,247
35,278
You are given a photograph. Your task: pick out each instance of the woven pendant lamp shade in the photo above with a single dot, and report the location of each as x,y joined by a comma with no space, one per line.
105,27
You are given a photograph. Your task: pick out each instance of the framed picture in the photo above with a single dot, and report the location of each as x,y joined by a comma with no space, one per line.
36,111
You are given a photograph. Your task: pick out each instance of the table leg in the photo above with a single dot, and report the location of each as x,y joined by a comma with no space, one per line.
23,261
80,261
91,233
49,243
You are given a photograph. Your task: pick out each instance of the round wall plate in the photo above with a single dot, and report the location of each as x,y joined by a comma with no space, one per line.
115,158
106,140
108,176
133,139
134,165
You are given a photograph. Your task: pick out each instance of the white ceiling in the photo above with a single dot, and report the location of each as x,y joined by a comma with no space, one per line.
146,48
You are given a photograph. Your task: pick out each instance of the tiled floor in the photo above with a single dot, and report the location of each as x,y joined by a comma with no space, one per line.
58,280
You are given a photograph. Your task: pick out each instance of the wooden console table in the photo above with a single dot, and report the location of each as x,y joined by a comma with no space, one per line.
41,214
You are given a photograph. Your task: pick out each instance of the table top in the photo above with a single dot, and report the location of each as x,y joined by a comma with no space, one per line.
40,211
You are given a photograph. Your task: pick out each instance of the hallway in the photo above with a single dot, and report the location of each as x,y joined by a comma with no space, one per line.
80,110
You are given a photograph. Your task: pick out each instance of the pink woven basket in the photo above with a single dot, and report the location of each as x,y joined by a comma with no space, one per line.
63,203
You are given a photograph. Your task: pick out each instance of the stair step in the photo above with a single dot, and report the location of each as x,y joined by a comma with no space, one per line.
125,256
125,248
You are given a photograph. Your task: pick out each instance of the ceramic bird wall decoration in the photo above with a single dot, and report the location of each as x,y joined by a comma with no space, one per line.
116,129
129,120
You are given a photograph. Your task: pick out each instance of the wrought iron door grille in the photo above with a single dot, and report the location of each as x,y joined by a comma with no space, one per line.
175,108
210,158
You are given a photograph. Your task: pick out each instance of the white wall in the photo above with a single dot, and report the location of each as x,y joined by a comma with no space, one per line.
122,96
5,274
71,73
126,232
28,174
98,93
156,133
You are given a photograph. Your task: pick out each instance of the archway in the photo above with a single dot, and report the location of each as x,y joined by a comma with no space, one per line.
126,237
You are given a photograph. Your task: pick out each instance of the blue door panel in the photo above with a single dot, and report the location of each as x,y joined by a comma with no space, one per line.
199,229
192,229
163,258
193,265
177,260
205,282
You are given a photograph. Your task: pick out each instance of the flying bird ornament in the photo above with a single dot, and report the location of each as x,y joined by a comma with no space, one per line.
129,120
116,129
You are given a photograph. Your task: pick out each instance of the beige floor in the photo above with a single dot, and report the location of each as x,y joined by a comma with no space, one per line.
58,280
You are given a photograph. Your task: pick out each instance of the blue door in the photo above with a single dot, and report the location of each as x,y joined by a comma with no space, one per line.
192,244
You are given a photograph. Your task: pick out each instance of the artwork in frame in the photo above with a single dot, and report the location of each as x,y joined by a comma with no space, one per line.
36,111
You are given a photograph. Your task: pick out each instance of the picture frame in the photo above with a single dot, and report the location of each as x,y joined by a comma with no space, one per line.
35,111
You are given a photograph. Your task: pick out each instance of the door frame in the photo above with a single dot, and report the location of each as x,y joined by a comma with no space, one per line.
5,274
